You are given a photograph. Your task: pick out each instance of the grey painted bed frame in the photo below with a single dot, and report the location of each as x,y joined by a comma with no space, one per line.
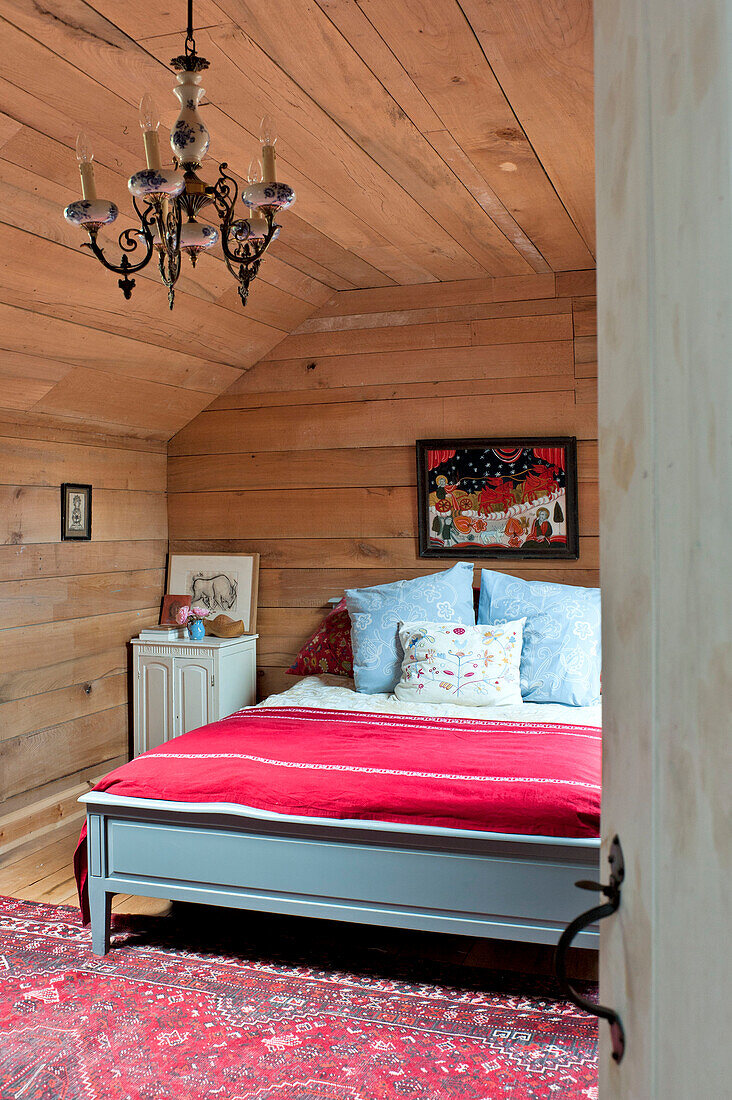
499,885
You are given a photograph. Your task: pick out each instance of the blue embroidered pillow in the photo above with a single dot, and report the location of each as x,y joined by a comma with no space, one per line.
377,612
561,661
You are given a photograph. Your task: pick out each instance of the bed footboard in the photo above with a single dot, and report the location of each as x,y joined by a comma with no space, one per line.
477,884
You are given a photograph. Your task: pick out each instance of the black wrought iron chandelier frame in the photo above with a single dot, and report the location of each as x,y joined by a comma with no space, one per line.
161,213
244,254
242,257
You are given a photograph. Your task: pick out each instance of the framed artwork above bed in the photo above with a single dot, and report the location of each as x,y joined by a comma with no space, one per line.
509,499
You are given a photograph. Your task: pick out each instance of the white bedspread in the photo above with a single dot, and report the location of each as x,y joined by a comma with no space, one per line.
338,693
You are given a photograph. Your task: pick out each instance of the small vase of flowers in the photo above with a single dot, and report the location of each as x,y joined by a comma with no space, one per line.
192,618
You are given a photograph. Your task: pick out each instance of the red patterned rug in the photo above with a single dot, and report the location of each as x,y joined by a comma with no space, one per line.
181,1010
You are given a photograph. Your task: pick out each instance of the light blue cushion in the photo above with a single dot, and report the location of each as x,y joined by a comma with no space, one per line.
376,613
561,660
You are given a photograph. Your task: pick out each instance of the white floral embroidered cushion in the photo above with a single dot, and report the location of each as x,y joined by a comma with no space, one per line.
472,666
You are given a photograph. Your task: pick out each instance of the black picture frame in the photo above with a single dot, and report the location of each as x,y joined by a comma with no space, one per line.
71,529
469,545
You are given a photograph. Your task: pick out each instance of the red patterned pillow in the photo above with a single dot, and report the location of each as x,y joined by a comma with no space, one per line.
329,649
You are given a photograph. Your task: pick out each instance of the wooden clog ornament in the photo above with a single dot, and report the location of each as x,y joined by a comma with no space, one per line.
224,627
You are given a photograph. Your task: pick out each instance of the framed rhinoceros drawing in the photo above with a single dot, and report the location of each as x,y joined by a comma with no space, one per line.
497,498
222,583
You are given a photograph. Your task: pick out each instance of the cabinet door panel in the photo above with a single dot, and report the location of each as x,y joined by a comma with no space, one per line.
193,693
155,703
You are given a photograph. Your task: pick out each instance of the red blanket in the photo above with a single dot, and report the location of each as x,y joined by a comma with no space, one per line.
458,773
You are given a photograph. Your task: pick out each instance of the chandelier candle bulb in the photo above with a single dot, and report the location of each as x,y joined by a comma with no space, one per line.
85,158
268,131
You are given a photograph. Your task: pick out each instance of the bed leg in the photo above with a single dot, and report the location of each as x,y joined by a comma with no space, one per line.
100,908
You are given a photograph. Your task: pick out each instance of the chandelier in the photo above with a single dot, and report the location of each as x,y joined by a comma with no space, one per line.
167,201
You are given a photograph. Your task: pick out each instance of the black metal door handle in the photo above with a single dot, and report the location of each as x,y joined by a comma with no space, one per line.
612,893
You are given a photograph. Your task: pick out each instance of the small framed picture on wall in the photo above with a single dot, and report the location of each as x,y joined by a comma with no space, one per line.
76,512
509,499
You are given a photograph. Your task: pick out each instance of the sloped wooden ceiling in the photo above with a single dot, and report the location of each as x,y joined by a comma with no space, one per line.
427,140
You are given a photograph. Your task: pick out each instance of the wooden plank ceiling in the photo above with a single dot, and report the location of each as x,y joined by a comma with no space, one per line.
428,141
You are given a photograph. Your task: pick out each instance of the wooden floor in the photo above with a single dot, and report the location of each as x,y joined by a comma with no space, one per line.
41,870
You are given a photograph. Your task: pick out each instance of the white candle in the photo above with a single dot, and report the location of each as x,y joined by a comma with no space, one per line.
152,149
149,123
85,157
268,164
88,183
268,137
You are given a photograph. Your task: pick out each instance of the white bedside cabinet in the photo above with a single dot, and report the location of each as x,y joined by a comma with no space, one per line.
181,685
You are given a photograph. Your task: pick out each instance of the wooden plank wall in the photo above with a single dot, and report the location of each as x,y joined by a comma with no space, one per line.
69,610
309,458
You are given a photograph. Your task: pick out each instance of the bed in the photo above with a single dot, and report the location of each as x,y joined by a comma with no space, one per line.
327,803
